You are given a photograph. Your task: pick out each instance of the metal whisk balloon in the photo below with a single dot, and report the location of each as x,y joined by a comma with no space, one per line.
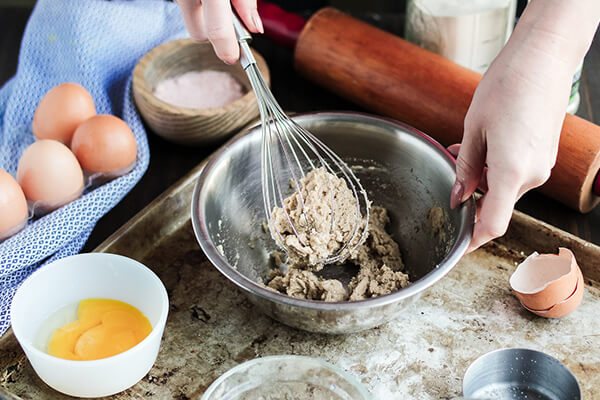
289,152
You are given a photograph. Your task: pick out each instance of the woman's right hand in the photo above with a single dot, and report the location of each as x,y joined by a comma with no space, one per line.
212,20
513,125
511,135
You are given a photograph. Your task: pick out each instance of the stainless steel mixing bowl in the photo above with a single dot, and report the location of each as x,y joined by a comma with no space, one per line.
401,168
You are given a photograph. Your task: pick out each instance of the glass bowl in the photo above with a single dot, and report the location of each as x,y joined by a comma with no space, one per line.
286,377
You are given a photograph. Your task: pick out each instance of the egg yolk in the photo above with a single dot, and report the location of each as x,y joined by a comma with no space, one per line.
104,328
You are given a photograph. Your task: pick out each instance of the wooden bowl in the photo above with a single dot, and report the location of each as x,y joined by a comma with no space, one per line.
188,125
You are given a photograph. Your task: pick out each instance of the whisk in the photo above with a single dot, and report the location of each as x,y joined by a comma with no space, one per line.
298,151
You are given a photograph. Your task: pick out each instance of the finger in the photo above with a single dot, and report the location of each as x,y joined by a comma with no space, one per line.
248,12
218,25
494,213
192,18
483,186
483,182
469,167
454,149
456,193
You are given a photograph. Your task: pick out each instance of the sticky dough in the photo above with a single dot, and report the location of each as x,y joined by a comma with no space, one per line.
379,258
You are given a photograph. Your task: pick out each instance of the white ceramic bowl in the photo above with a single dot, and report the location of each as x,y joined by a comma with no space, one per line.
64,283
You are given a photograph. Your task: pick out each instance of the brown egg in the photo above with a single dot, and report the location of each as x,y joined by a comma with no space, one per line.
105,144
61,111
543,280
13,206
566,306
50,175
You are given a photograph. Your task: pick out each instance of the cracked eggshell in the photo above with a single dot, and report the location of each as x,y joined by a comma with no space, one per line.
566,306
543,280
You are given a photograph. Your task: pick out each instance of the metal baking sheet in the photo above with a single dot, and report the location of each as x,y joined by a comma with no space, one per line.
421,355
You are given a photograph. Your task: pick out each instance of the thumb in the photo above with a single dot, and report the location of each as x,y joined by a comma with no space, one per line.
454,149
469,167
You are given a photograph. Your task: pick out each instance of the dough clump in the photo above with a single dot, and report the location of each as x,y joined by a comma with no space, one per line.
319,233
377,255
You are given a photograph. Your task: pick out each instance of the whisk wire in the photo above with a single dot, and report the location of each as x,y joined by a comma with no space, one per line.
270,169
347,173
298,150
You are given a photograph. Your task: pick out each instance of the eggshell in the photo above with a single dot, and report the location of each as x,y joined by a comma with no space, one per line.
105,144
13,206
61,111
543,280
50,175
566,306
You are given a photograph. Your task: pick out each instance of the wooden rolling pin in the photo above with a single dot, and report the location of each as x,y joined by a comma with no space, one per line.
393,77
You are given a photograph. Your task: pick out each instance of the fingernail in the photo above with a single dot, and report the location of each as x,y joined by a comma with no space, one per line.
456,195
257,21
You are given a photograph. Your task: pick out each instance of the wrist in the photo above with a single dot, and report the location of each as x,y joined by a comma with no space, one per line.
561,29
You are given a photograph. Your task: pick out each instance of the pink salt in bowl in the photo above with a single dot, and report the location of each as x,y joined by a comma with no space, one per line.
187,125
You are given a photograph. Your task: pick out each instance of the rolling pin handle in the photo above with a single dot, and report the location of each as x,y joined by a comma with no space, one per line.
280,26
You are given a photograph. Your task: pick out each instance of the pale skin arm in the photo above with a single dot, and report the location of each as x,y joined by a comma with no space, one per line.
513,125
213,20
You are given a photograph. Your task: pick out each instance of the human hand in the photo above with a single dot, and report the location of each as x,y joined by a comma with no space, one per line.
213,20
511,131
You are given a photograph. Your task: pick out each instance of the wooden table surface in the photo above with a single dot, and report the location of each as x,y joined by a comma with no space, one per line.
169,162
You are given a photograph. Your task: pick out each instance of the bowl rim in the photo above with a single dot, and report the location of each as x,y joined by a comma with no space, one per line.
349,378
203,237
141,87
156,329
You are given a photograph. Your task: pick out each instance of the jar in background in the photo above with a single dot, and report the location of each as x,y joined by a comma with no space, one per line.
468,32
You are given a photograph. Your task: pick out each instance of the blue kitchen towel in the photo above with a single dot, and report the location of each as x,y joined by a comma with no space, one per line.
96,44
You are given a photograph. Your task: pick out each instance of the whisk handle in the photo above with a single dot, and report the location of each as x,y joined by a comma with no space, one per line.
240,30
243,36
